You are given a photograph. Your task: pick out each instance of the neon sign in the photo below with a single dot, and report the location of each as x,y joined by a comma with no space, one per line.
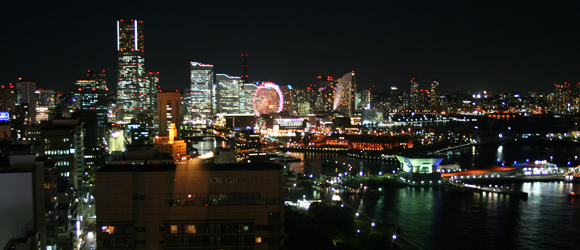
4,116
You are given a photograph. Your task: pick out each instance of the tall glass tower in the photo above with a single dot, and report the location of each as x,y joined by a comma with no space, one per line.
227,93
199,98
135,91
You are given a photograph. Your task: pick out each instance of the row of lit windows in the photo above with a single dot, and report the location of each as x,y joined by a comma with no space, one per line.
59,152
231,199
210,228
62,163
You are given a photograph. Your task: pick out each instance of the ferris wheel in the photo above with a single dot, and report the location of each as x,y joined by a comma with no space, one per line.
268,98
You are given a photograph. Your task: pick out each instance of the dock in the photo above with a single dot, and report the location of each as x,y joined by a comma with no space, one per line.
492,189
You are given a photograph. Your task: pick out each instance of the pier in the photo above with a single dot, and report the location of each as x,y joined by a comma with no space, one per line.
490,189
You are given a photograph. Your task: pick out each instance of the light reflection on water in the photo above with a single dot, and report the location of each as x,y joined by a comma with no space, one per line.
433,220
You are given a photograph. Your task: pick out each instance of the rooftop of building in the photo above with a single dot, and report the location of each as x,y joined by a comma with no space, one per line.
195,167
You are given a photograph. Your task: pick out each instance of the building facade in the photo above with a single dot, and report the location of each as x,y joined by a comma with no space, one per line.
344,97
93,96
61,141
190,206
227,94
169,111
44,104
26,96
199,96
135,91
414,95
246,98
434,94
8,98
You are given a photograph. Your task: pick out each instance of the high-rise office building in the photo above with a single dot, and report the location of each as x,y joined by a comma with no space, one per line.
561,103
93,80
45,104
27,99
8,98
365,99
199,97
227,94
135,92
247,94
322,94
169,111
289,106
93,95
414,95
302,101
61,141
434,94
395,102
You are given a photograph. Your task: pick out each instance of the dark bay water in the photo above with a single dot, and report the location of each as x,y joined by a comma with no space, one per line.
548,219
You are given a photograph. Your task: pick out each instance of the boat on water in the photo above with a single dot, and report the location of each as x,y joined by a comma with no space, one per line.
573,195
573,177
281,157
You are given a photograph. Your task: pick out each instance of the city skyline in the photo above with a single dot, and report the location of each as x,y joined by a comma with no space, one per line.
467,46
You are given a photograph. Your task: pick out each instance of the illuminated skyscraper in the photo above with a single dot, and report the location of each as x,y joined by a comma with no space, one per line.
344,97
434,94
26,94
246,98
94,96
199,98
365,99
289,93
302,101
135,93
561,103
414,96
44,104
227,93
322,94
8,98
394,99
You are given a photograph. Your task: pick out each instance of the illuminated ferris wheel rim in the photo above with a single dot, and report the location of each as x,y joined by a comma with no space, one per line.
268,85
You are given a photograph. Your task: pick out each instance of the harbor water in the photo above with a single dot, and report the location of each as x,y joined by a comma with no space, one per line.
428,217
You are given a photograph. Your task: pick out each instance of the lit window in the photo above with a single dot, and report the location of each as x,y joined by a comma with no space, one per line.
108,229
258,239
190,229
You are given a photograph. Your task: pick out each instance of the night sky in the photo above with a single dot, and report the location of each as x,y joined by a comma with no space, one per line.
489,45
